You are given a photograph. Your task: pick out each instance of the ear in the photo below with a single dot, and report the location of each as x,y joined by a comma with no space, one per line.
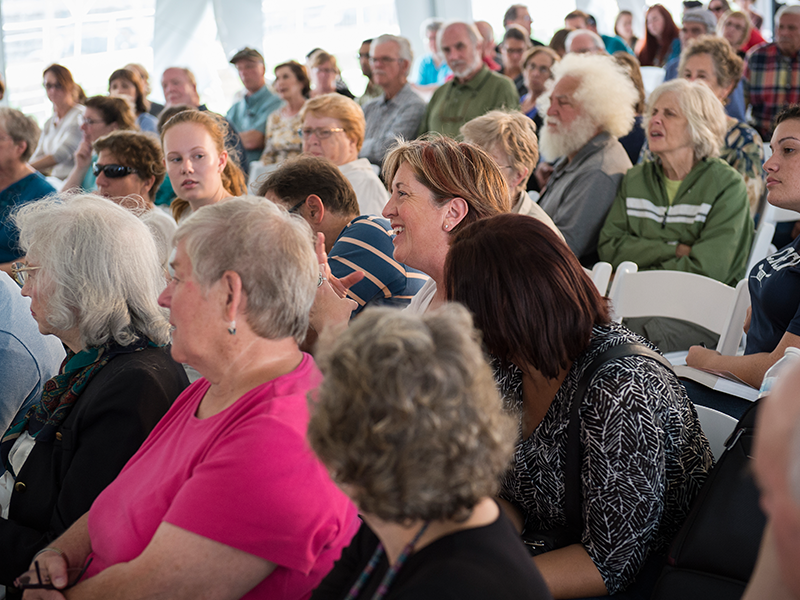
234,300
519,176
315,211
20,147
223,161
455,212
147,184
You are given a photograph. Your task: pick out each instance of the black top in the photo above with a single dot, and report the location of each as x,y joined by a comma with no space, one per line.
474,564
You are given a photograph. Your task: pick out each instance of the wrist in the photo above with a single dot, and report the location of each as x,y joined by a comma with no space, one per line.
50,549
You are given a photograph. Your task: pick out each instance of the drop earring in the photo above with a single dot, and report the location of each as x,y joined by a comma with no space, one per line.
232,328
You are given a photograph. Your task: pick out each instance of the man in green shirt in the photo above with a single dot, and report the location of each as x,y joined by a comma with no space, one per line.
473,90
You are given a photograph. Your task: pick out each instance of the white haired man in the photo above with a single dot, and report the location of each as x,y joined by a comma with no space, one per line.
583,41
777,471
398,110
591,105
474,89
772,72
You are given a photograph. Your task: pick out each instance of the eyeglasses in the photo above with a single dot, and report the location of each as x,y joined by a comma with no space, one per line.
112,171
540,68
32,580
91,122
297,206
20,272
363,55
52,86
382,60
322,134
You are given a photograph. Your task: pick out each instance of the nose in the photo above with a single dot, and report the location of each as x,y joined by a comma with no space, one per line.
165,297
551,110
770,166
390,209
186,167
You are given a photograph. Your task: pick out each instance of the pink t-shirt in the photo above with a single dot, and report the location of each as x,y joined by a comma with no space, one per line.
244,477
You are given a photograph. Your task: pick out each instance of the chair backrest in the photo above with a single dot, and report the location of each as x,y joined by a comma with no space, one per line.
762,244
600,275
717,426
674,294
731,335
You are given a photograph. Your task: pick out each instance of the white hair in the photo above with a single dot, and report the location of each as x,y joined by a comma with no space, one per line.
403,46
472,31
598,41
271,250
605,90
432,24
703,111
793,9
100,268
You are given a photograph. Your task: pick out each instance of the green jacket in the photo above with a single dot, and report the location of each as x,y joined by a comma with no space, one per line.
710,213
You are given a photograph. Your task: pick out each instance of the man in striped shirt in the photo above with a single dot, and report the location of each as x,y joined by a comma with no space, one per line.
314,188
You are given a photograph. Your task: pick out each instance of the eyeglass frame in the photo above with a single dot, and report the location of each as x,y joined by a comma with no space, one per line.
19,272
318,131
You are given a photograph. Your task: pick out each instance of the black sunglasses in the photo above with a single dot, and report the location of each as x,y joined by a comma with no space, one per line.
26,581
112,171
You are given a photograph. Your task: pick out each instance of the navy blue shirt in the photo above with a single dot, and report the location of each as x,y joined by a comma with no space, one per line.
31,187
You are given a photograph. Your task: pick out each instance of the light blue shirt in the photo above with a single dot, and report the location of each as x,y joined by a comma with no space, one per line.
27,358
251,112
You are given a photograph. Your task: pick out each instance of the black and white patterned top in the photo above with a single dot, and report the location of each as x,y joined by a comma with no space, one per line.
644,457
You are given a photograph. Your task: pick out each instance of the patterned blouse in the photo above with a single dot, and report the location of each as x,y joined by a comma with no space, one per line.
283,141
644,457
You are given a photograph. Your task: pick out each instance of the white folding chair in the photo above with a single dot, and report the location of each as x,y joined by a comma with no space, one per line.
762,244
600,275
677,295
717,426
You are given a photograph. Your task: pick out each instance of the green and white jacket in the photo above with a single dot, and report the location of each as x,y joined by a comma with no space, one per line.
710,213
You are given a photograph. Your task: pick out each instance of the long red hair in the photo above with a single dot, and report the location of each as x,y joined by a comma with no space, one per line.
654,51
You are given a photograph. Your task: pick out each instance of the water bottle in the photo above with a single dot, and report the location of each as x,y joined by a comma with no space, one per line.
790,357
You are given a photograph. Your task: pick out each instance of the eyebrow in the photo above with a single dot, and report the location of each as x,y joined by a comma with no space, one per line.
788,137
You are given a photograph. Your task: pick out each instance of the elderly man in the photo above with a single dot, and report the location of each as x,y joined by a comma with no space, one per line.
583,41
474,89
777,472
517,14
696,22
772,72
180,87
315,189
398,110
373,90
249,114
591,105
578,19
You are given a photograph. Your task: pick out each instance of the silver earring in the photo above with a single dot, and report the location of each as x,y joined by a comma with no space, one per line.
447,226
232,328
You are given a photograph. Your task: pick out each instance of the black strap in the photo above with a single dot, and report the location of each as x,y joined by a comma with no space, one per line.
572,476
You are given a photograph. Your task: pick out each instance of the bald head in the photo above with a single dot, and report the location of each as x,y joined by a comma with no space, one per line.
777,469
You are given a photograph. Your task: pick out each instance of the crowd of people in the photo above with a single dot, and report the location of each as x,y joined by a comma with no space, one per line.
385,372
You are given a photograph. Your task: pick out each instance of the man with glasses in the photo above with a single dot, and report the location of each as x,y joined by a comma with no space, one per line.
474,89
316,190
518,14
398,110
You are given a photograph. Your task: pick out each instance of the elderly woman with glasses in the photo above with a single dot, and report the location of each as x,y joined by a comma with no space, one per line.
333,127
431,529
225,499
93,277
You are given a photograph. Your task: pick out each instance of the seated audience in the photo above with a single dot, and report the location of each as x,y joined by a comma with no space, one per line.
398,110
510,139
316,190
244,277
635,138
333,127
773,323
591,105
102,115
537,67
249,114
399,380
433,69
180,87
438,187
27,358
128,83
687,210
474,88
282,138
93,277
19,182
513,47
61,134
155,108
199,165
640,438
661,42
777,472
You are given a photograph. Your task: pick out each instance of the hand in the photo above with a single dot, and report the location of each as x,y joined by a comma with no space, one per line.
682,250
542,173
83,155
340,286
252,139
701,358
329,308
53,567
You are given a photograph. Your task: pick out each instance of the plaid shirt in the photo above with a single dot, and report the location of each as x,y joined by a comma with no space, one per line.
772,80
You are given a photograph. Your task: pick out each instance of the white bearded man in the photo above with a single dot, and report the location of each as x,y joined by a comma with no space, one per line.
591,105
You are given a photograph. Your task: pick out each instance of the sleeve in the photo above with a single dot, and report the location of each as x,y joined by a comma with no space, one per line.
346,570
69,139
624,468
284,509
117,414
618,243
580,215
722,249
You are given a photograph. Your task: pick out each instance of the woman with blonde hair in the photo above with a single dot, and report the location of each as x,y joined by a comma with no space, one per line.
199,166
325,75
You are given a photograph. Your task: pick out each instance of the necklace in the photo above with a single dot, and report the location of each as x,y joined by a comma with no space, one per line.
390,574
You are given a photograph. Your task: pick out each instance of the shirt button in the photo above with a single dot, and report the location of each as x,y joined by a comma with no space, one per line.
19,487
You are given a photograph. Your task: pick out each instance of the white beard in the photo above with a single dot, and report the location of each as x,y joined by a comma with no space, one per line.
565,140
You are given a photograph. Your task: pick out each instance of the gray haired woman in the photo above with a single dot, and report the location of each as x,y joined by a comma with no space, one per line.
93,277
411,427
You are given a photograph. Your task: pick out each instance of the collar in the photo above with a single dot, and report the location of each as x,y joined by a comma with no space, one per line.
476,83
591,147
261,92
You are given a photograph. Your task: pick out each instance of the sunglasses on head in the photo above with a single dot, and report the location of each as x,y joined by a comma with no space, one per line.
112,171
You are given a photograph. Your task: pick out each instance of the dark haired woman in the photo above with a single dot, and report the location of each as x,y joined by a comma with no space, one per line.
128,83
660,43
644,455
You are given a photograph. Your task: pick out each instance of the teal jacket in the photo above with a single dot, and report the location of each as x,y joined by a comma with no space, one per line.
710,213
